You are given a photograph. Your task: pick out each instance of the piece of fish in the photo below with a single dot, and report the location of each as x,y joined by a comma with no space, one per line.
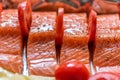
10,42
41,45
41,42
108,40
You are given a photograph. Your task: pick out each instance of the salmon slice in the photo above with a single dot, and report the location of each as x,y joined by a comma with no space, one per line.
41,42
106,56
41,45
10,42
108,40
107,44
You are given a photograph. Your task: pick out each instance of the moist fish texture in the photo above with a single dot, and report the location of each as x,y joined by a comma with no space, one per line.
10,42
41,45
41,42
106,56
108,40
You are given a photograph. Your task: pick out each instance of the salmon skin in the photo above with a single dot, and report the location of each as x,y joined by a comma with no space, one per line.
70,6
10,42
41,45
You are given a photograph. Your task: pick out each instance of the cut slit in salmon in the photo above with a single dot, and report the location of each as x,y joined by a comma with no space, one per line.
10,42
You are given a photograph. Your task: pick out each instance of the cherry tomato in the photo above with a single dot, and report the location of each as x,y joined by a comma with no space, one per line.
72,70
105,76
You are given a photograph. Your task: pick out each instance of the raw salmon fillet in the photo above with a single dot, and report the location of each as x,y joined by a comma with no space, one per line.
108,40
41,45
10,42
41,42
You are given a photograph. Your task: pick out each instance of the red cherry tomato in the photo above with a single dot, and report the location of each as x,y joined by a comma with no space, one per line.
105,76
72,70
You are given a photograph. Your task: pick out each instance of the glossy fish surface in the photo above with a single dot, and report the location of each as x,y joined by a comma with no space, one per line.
10,42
